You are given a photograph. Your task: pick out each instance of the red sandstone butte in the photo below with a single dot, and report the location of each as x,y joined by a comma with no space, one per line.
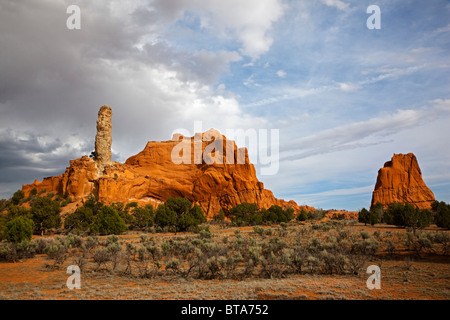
400,180
152,177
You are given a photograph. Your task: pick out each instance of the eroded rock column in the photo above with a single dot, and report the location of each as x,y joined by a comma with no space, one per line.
103,139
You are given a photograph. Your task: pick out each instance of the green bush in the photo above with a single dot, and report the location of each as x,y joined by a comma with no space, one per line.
19,229
56,250
441,214
248,214
245,213
45,213
17,197
80,220
143,217
303,216
179,214
108,221
363,216
276,214
220,216
406,215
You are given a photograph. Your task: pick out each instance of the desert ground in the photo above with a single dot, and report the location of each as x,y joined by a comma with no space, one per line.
409,270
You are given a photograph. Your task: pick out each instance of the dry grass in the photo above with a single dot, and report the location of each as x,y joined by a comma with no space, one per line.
424,276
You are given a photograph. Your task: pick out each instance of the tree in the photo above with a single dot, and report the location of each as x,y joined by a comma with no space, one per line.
244,213
303,216
17,211
93,204
441,214
179,214
373,217
378,209
81,219
143,217
18,196
108,221
276,214
364,216
220,216
19,229
406,215
165,217
45,213
424,218
394,214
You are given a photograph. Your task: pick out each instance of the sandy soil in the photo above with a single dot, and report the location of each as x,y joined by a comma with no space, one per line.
426,277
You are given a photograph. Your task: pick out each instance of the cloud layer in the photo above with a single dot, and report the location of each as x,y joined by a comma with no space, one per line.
344,98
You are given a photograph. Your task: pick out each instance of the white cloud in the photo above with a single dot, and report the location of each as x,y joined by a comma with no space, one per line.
341,192
341,5
348,87
281,73
364,133
443,29
248,22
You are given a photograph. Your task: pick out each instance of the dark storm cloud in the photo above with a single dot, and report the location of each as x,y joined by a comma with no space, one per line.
53,81
23,155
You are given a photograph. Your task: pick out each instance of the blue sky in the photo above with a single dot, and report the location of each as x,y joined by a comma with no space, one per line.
345,98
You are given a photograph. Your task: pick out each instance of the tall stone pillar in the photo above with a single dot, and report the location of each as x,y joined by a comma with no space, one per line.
103,139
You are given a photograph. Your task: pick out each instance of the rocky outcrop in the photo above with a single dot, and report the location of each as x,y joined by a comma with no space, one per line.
103,139
400,180
208,169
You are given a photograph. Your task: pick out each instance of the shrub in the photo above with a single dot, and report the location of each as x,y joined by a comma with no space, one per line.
101,256
18,230
143,217
406,215
8,252
303,216
220,216
205,233
16,211
17,197
108,221
365,235
80,220
66,201
276,214
91,243
442,214
368,247
258,230
114,249
56,251
45,214
366,217
12,252
244,214
179,214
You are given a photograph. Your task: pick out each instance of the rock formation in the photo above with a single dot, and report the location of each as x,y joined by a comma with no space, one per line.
401,181
103,139
156,173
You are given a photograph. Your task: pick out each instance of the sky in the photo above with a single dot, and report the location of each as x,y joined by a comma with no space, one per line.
344,98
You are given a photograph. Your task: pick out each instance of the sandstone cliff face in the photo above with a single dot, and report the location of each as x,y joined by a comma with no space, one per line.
401,181
152,176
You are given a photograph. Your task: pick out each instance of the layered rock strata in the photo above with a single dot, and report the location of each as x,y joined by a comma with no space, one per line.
182,167
400,180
